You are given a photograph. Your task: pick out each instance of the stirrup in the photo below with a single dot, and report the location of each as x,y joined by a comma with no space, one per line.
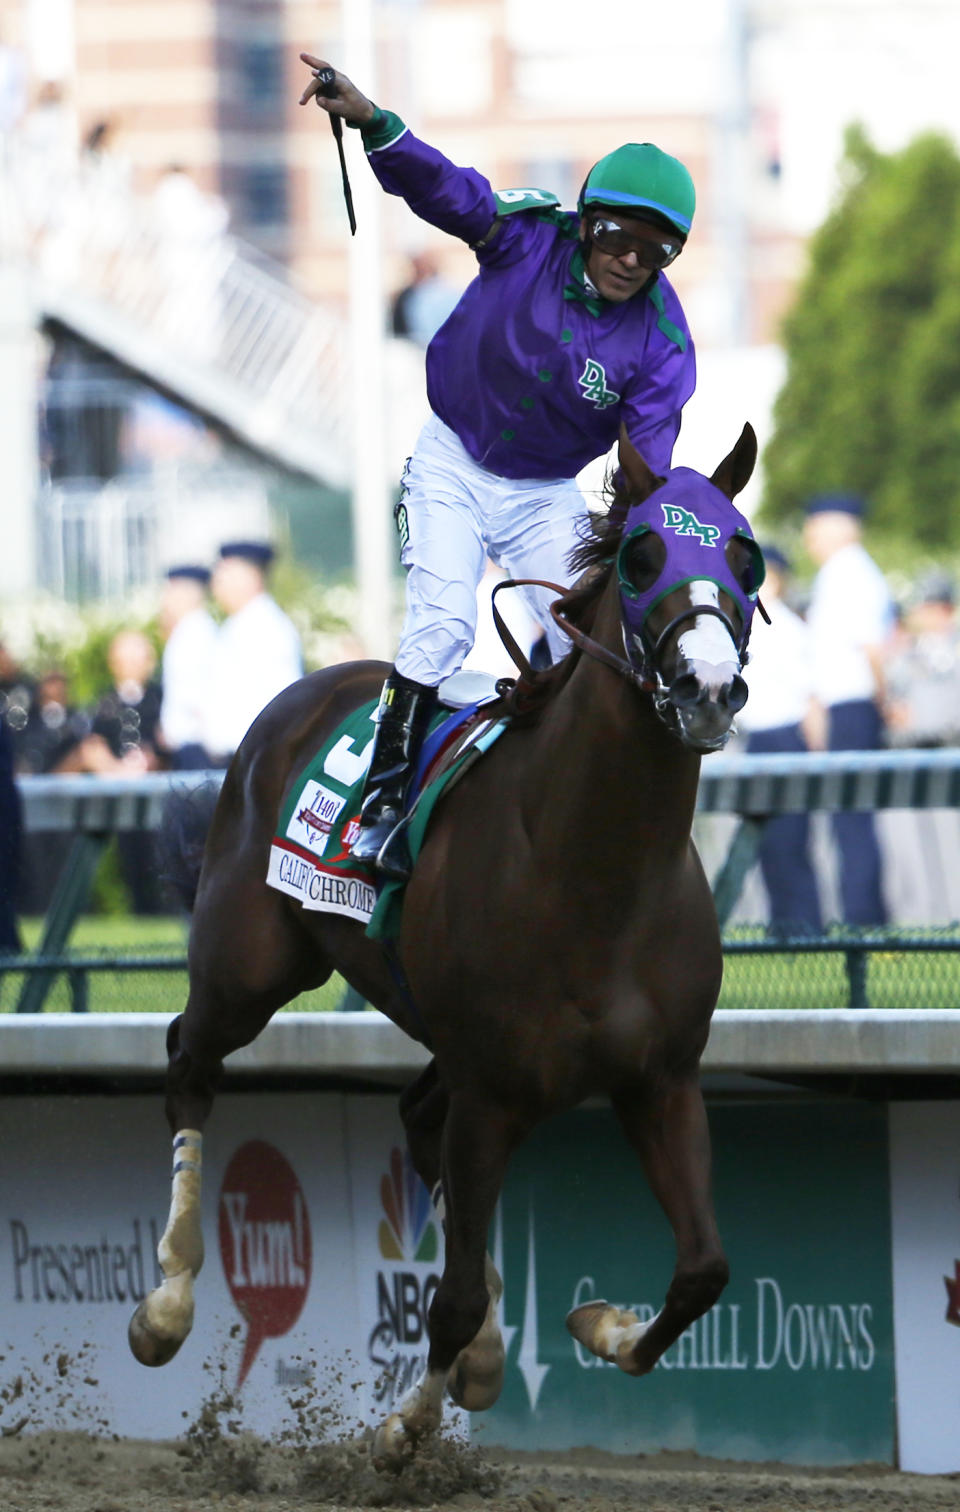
371,840
393,859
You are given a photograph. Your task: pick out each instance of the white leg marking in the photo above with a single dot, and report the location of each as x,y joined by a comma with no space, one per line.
609,1332
419,1413
165,1317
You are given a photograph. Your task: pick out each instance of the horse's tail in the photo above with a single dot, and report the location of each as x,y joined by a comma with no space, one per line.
182,837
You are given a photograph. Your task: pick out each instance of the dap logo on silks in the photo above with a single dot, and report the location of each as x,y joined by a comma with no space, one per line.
312,821
265,1244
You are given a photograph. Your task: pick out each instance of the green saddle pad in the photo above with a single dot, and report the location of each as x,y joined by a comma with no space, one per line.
311,854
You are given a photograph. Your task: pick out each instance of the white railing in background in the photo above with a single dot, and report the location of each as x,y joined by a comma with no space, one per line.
100,541
202,315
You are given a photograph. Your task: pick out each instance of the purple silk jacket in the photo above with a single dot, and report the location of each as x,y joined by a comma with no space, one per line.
531,372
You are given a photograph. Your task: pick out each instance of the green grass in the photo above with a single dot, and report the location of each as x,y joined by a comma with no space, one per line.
895,979
135,991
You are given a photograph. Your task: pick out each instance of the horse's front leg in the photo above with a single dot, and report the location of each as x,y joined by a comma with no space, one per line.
671,1137
165,1316
476,1380
477,1141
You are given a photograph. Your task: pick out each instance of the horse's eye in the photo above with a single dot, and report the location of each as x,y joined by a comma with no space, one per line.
643,560
745,560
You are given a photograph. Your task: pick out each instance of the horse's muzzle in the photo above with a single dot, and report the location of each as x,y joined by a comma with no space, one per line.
705,699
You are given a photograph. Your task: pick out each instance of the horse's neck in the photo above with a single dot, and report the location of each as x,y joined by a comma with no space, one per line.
606,764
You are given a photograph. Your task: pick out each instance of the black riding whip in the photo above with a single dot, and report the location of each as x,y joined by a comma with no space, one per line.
328,88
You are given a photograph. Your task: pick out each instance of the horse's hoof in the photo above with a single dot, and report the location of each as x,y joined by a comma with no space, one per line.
609,1332
392,1445
162,1321
593,1324
149,1347
476,1379
475,1387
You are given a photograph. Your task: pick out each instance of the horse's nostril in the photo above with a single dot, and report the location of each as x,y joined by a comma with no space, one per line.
735,694
685,691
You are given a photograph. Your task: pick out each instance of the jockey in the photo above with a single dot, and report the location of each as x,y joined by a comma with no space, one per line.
569,330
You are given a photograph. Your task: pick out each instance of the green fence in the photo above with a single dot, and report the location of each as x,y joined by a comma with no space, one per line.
74,965
843,969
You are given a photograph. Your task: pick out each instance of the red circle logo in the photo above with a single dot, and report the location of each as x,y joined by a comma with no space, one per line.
265,1244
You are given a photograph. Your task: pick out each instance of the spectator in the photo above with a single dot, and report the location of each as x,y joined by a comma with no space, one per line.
779,676
423,304
124,727
923,675
191,225
123,742
50,741
257,651
54,728
10,843
16,700
850,618
190,636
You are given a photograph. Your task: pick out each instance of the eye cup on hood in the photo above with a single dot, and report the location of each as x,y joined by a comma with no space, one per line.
640,560
745,560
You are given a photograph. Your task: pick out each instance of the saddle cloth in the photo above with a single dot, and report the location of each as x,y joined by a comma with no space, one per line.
311,853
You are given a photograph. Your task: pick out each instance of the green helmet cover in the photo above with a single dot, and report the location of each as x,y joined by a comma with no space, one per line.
638,176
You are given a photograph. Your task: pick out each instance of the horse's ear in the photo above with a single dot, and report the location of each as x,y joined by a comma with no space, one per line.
640,480
735,470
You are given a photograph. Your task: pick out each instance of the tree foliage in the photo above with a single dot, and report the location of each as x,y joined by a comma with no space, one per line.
871,401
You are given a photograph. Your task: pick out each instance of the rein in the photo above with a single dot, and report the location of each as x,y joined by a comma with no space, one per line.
580,639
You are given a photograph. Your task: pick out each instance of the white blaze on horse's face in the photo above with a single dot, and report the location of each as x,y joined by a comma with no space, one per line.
707,689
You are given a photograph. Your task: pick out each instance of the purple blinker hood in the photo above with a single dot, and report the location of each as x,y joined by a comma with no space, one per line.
695,521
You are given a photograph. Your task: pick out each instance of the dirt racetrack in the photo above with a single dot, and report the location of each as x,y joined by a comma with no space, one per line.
76,1472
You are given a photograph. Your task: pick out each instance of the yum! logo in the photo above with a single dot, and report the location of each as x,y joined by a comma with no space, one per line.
265,1244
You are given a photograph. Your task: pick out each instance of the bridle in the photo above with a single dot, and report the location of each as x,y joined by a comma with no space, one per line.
583,642
645,675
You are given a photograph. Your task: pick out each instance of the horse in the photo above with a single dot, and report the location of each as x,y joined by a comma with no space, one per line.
558,937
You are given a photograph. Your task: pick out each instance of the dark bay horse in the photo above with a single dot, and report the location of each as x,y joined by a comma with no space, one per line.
558,935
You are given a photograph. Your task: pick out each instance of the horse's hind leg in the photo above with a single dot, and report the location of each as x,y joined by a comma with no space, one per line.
476,1379
671,1137
238,979
478,1139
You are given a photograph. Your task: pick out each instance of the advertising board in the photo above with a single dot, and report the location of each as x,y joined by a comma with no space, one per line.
925,1200
81,1210
323,1252
795,1362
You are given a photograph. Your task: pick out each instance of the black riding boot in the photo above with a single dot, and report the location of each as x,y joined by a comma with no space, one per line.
402,720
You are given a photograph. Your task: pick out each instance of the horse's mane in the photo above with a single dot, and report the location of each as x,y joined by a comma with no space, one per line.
593,558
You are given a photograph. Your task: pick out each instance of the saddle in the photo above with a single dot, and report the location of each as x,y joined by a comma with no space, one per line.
310,856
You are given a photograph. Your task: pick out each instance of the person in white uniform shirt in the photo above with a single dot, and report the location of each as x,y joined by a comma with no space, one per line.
850,618
779,676
257,652
190,635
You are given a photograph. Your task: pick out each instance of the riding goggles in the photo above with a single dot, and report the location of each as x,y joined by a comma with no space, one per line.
654,251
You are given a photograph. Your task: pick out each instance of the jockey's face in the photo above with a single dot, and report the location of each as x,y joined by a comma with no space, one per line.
622,251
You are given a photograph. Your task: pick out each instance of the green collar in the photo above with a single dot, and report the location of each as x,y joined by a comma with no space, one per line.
576,287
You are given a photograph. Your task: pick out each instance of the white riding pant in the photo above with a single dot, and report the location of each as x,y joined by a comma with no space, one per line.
452,515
